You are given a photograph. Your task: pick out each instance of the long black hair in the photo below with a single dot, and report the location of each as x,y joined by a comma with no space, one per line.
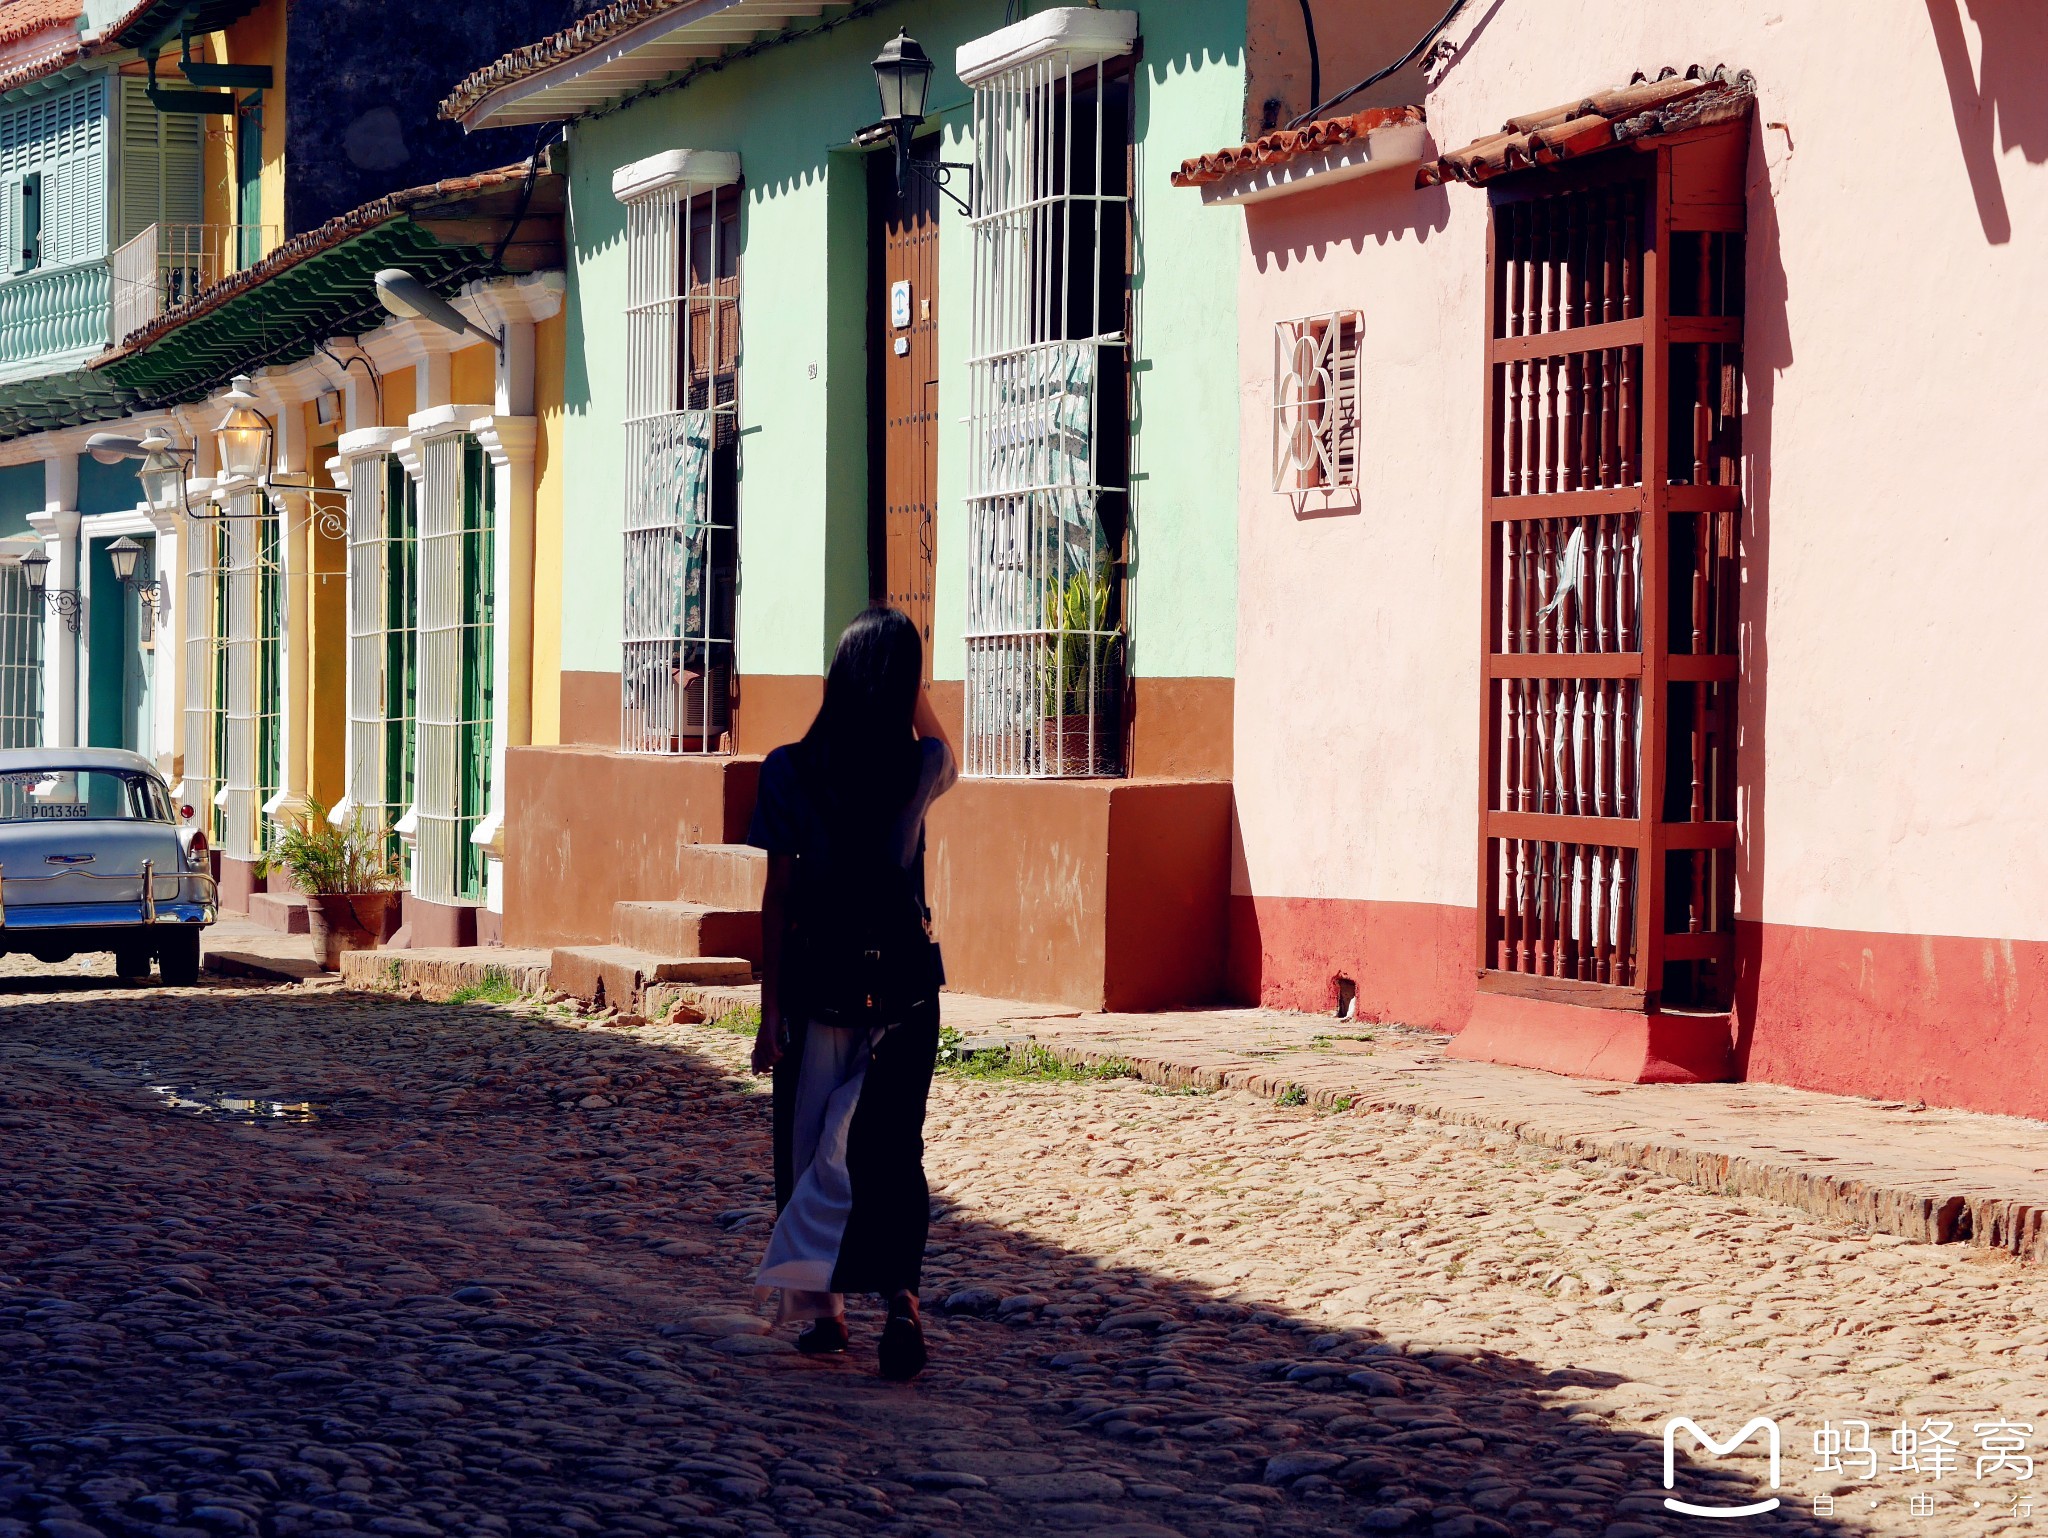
859,753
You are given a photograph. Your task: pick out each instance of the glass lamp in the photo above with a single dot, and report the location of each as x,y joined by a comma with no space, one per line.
36,568
161,470
903,74
244,435
122,553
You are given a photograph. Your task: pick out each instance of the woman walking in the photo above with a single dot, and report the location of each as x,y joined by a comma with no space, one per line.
849,991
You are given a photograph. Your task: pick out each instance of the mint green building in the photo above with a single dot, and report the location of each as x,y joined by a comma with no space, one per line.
979,362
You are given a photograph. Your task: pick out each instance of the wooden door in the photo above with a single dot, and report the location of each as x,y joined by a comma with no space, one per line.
904,342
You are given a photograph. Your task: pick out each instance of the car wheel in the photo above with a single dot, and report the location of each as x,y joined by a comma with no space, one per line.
177,957
131,960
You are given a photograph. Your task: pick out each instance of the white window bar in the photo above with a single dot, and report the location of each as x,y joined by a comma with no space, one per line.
1044,636
204,548
254,681
379,549
1315,401
21,661
681,523
453,666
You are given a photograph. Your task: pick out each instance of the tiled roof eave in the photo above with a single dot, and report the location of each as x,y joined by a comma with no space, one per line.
1290,144
1640,111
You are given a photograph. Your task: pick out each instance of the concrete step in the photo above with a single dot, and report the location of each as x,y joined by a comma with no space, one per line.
284,912
724,876
436,973
618,976
688,929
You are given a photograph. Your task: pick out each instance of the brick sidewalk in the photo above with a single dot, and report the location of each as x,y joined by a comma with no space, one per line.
1932,1175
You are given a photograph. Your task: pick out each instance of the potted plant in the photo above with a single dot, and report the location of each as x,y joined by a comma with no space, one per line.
350,878
1083,680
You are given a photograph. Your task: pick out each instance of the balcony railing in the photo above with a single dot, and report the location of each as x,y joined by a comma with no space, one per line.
52,312
167,264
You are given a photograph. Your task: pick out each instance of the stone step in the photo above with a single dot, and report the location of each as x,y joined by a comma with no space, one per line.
687,929
436,973
723,876
284,912
618,976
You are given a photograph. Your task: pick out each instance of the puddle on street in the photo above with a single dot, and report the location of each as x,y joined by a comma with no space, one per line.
193,1100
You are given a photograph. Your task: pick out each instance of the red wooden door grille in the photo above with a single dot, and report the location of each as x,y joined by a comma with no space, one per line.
1613,378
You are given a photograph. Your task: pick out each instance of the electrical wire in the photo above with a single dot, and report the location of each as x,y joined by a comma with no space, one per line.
1315,59
1380,74
376,379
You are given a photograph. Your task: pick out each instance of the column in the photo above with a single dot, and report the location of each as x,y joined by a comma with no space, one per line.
58,525
168,703
295,650
509,441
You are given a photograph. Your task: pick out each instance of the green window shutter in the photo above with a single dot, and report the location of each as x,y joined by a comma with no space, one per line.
479,569
162,175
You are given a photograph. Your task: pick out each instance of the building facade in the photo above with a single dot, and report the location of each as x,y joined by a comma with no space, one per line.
1583,708
797,384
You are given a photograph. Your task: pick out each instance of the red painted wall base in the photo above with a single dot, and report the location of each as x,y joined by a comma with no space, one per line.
1948,1020
1627,1046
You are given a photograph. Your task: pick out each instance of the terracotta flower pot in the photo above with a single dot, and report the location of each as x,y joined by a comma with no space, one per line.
348,921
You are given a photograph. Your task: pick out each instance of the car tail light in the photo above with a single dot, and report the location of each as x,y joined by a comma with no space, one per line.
185,812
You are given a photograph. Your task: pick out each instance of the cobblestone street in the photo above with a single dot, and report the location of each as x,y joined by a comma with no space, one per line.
288,1260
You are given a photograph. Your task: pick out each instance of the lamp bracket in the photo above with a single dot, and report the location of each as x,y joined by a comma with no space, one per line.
938,172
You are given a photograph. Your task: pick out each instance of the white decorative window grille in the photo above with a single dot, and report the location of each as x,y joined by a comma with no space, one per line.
21,661
453,737
1315,402
682,460
382,573
254,588
204,550
1048,421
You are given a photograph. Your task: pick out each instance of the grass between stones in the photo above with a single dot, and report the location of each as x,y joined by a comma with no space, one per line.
494,987
1013,1062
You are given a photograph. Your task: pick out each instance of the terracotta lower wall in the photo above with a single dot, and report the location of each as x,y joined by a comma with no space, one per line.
1951,1021
589,828
1092,893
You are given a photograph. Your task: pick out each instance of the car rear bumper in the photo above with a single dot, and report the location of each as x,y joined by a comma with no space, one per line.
172,898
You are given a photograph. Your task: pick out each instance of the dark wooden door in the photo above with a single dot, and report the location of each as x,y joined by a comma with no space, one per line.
904,344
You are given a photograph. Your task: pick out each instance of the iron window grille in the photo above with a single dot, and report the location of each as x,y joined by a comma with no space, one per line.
383,575
204,549
21,661
1315,402
456,548
1048,421
682,469
253,589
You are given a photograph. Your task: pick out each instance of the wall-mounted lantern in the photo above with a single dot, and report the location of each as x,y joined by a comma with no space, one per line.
64,600
245,435
903,75
125,553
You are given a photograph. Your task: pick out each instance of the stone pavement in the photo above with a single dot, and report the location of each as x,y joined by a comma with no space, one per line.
1916,1171
291,1261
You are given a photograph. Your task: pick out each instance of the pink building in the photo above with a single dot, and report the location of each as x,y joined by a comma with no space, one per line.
1642,539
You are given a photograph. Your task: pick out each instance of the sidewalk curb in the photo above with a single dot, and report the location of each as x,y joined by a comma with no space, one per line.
1924,1214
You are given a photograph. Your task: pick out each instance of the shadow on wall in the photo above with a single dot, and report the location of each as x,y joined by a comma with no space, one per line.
1312,224
2003,106
1766,354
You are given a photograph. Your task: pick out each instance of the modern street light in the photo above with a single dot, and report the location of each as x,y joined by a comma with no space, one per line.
409,299
903,76
64,600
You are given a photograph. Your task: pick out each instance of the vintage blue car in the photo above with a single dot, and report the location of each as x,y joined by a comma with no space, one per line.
95,857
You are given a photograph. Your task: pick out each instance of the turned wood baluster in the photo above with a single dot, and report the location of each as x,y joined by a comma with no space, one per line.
1622,921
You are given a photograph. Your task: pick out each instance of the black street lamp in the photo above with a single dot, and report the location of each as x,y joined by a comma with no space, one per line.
903,75
124,553
64,600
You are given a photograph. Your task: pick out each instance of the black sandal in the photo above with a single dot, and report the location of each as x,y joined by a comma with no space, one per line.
824,1337
902,1353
